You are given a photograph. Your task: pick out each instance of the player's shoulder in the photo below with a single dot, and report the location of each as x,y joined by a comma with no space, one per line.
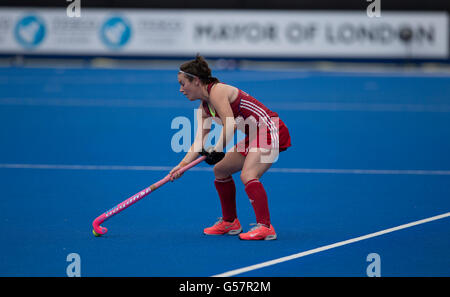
221,89
219,86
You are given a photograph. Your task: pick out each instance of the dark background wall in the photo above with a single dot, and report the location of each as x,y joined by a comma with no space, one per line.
403,5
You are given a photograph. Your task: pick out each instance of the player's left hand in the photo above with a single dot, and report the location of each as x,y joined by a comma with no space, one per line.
212,157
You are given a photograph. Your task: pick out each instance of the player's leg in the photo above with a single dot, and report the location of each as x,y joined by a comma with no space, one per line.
230,164
224,183
252,171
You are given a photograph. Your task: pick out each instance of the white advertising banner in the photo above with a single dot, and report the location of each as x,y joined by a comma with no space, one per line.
235,33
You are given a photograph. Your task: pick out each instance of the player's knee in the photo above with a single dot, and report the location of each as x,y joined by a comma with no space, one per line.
220,171
247,175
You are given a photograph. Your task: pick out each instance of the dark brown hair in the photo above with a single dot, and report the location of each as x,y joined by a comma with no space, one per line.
199,68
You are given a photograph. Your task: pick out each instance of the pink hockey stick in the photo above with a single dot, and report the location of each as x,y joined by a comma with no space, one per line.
99,230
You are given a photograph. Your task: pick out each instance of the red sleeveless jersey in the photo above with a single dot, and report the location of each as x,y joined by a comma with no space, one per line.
245,107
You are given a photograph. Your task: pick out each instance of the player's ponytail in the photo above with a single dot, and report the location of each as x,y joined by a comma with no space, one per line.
198,68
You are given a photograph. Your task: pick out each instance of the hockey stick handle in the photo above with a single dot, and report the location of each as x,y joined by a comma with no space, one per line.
99,230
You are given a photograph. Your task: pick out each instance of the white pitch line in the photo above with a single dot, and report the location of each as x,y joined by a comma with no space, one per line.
85,167
328,247
361,171
272,170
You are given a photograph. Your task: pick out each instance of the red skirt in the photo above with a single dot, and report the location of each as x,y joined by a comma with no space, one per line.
263,140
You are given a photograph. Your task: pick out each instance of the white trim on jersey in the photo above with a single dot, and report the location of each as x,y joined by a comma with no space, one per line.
264,117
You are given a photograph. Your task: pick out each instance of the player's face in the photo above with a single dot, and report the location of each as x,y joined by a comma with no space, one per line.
190,89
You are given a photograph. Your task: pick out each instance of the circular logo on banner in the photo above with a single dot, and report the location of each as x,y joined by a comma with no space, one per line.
115,32
29,31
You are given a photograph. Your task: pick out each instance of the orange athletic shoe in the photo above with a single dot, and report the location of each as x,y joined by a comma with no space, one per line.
222,227
259,232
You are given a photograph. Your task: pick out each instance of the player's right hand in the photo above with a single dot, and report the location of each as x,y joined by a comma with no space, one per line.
174,174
